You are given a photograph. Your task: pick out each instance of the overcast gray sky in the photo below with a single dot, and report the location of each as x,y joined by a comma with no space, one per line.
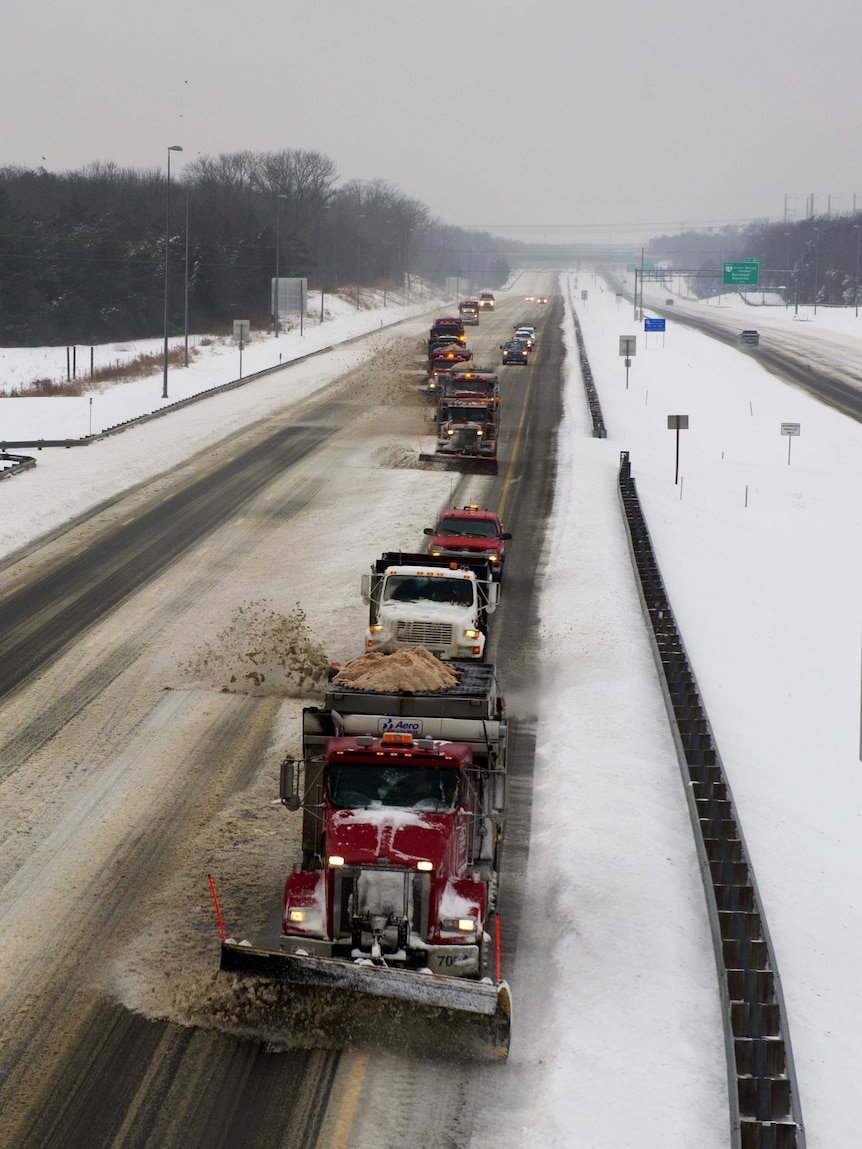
538,120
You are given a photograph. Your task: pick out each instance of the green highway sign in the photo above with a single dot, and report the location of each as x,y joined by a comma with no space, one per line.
743,274
649,265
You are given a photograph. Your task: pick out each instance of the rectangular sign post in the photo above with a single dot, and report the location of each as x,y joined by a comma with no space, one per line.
677,423
241,328
791,430
628,348
654,325
290,297
745,273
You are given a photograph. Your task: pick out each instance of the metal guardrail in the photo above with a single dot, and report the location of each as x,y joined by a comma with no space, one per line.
117,428
599,430
86,440
19,463
765,1110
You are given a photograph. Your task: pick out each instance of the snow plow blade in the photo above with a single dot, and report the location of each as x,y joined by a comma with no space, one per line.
469,464
483,1008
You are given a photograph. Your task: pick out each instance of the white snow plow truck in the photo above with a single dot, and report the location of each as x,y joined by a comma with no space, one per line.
403,805
422,600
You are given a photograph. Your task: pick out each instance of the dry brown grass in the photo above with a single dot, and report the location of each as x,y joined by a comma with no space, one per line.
117,372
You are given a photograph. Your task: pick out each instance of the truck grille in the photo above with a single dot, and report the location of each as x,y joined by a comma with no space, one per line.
425,633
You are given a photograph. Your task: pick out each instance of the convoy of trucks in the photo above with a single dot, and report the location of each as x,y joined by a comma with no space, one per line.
467,415
403,789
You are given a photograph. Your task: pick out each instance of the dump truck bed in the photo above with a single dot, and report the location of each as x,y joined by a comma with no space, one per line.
475,696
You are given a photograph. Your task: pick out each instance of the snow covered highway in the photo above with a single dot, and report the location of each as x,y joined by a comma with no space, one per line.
145,755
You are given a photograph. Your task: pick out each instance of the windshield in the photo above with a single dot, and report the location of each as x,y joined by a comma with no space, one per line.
472,528
433,789
467,414
420,588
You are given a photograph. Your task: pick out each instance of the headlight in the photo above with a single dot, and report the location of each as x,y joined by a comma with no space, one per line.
465,925
296,916
472,634
492,558
336,860
376,628
425,866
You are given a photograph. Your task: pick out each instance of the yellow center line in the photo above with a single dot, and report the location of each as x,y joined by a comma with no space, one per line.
343,1123
510,469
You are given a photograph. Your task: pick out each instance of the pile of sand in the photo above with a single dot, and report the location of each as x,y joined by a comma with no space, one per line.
473,368
407,670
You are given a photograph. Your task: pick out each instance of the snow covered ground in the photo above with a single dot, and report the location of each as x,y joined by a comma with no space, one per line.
761,558
619,1044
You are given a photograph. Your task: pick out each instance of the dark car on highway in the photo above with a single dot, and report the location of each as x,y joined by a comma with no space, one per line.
515,352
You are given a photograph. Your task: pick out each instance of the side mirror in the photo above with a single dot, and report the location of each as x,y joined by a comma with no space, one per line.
288,787
428,531
493,596
506,535
365,588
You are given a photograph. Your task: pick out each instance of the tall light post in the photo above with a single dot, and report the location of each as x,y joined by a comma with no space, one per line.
787,288
277,263
816,231
321,217
172,148
386,225
186,285
359,220
858,231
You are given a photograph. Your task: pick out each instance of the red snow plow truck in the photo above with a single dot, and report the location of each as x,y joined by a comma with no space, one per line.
403,801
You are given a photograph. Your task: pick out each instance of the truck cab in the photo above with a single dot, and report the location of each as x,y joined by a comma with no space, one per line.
469,312
443,359
448,325
468,532
419,600
470,381
398,829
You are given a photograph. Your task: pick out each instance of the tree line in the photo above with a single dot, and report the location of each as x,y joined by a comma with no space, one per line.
82,253
807,260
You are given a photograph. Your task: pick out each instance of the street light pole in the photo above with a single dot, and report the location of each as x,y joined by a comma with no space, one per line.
186,285
359,220
172,148
816,231
787,289
858,231
277,264
386,224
